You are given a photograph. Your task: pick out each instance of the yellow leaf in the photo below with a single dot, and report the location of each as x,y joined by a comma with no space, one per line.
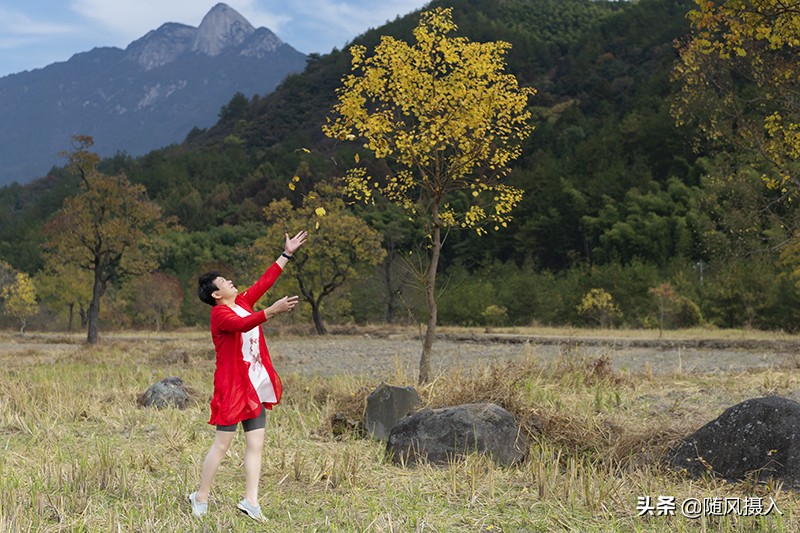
320,211
306,150
357,158
316,226
291,186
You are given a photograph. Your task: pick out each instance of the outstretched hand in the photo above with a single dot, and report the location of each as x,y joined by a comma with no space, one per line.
284,305
292,244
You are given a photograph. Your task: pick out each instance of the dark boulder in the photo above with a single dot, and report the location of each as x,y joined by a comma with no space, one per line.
441,435
169,392
386,406
758,438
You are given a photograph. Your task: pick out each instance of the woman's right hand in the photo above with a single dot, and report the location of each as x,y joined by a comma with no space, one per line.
284,305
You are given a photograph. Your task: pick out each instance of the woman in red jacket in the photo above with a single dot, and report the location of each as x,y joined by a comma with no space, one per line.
245,384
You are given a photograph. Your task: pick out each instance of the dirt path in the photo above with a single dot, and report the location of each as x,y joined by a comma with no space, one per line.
386,356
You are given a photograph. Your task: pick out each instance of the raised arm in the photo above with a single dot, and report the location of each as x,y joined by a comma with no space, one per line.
252,294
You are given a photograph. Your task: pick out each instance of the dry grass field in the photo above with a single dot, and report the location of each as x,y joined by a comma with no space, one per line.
78,454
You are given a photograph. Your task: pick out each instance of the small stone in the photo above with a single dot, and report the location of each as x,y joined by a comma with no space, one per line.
169,392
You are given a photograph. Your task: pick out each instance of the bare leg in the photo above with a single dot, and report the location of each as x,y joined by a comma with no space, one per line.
222,441
252,463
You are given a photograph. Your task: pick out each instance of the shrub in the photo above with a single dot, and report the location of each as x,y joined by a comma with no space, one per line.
495,315
598,305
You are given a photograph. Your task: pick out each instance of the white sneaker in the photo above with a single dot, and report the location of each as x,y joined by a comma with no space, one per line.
198,509
253,511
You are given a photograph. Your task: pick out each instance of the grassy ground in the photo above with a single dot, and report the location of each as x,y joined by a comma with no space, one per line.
77,454
708,333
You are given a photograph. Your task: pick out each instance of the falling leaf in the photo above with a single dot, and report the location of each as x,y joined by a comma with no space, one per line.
291,186
296,178
357,158
316,226
306,150
320,211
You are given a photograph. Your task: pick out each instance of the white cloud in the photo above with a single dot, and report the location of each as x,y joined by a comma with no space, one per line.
320,25
259,15
133,18
17,23
352,17
44,31
309,25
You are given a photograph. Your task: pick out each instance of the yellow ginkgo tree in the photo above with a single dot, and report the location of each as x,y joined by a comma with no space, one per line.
738,79
448,120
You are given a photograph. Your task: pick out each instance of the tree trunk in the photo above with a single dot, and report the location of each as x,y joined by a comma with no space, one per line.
317,318
71,314
430,292
94,307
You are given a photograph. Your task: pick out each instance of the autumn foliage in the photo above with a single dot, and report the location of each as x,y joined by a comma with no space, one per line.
739,81
110,228
447,119
340,245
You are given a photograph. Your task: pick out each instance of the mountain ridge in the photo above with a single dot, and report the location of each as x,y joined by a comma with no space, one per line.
151,94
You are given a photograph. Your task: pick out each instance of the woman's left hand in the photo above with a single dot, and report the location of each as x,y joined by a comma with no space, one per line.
292,244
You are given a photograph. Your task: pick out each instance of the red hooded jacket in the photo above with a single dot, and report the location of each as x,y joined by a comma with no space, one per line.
235,399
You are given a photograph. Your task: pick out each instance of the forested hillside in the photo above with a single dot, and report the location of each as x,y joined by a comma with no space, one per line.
617,197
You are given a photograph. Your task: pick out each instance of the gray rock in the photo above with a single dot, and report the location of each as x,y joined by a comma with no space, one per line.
759,438
169,392
386,406
441,435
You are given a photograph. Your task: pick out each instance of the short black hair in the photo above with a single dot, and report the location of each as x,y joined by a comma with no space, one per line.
206,286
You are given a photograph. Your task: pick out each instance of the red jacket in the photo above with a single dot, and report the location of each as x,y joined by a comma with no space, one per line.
234,398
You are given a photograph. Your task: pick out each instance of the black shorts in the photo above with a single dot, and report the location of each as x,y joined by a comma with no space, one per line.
257,422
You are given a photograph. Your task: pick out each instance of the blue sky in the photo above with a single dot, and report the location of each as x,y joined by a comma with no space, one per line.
35,33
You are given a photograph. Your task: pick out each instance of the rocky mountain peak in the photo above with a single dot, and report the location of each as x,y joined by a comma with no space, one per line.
261,43
222,27
161,46
150,95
